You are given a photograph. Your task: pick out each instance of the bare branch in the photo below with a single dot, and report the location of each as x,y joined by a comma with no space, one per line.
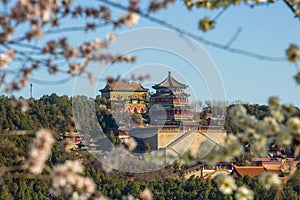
196,37
234,37
290,6
55,82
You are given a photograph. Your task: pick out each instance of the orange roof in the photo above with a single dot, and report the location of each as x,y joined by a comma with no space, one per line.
122,133
274,170
250,171
124,86
170,82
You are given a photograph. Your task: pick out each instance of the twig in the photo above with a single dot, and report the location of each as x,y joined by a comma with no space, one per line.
61,30
220,13
234,37
290,6
56,82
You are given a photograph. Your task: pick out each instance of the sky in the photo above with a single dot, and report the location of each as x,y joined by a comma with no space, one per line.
210,72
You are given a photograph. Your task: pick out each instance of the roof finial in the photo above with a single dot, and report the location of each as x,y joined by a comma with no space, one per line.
170,74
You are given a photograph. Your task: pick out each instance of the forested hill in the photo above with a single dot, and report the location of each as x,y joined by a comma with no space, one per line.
50,111
55,112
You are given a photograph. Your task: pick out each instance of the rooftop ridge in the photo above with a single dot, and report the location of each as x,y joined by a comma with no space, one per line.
170,82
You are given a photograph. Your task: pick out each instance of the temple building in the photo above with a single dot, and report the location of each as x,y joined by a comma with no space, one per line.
130,93
169,126
170,106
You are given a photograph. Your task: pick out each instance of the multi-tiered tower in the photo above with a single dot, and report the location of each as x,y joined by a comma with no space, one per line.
170,106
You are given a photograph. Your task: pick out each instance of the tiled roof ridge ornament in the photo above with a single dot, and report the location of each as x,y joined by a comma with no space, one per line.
170,82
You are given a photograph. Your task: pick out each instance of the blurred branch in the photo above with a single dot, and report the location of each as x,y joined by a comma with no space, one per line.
196,37
55,82
290,6
234,37
220,13
61,30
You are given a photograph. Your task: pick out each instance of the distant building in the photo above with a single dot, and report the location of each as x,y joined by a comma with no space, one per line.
121,135
251,171
174,141
72,140
72,137
171,126
206,171
131,94
279,163
170,106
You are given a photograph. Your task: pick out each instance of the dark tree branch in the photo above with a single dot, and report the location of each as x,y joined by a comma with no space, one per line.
74,28
290,6
61,30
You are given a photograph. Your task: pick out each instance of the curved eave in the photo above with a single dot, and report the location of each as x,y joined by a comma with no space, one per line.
132,86
128,90
118,90
170,95
158,86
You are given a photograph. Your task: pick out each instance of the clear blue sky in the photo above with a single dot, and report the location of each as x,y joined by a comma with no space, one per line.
265,29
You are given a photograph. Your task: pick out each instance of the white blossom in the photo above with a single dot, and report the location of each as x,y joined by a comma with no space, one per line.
111,36
128,197
156,157
45,10
67,181
226,184
238,110
39,151
130,143
271,126
269,180
259,148
101,198
21,103
102,106
293,124
146,194
284,138
277,114
231,148
112,159
6,58
130,19
244,193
